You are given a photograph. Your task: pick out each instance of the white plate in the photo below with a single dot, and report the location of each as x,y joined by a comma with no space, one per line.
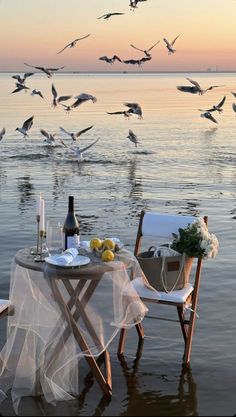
78,261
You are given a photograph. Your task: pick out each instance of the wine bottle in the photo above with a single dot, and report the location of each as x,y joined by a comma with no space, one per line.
71,227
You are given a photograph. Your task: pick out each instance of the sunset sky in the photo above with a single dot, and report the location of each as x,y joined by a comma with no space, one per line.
34,31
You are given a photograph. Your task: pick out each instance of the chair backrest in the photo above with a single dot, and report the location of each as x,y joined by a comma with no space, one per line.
161,225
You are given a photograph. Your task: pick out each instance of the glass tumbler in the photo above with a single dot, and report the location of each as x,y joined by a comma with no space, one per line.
54,237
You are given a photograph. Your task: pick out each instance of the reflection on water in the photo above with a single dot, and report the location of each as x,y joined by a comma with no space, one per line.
26,190
210,133
181,400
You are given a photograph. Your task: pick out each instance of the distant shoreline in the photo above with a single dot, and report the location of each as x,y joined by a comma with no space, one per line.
132,72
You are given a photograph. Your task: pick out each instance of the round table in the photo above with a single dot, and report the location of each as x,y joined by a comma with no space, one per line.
61,315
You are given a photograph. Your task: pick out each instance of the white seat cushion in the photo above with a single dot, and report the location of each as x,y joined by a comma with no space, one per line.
178,296
4,304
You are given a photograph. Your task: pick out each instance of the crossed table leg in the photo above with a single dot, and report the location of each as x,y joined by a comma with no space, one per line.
79,302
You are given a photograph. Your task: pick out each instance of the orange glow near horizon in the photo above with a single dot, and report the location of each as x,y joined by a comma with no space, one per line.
34,31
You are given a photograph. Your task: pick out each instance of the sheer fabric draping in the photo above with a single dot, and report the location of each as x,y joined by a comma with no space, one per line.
41,353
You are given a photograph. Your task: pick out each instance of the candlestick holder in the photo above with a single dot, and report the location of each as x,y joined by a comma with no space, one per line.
33,250
41,255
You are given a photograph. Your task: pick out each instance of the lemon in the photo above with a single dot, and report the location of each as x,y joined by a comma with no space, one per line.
108,255
108,244
95,243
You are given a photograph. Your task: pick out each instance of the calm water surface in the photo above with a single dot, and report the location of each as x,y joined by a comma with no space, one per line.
183,164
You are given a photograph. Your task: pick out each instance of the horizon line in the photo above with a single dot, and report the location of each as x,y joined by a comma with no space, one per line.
133,72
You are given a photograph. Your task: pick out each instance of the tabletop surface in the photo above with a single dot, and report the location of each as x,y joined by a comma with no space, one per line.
96,268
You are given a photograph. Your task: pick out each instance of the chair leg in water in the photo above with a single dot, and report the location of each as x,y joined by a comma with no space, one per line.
123,333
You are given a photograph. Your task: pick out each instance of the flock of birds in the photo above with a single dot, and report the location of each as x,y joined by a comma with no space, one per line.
130,108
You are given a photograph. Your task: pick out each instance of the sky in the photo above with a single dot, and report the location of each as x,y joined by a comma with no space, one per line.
33,31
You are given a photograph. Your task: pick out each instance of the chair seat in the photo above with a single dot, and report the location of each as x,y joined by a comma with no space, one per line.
4,304
178,296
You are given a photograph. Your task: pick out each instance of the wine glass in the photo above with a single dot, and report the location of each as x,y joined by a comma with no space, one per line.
54,237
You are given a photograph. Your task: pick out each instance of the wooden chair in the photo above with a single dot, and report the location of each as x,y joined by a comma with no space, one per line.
4,308
158,225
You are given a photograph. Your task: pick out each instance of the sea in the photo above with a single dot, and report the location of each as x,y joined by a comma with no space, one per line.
183,164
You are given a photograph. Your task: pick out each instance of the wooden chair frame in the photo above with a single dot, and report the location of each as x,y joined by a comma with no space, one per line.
187,325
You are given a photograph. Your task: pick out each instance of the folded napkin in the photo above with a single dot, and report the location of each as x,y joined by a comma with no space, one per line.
67,256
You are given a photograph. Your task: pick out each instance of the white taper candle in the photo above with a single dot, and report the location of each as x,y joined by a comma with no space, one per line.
42,216
38,206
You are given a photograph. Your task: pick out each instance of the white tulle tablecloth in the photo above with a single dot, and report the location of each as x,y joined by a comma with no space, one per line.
41,353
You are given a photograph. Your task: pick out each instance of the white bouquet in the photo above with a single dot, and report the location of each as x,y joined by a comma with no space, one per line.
196,241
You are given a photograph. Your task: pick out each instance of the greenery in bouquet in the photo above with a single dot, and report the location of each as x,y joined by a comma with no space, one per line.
196,241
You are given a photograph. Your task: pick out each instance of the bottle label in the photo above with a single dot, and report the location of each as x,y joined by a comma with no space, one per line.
73,241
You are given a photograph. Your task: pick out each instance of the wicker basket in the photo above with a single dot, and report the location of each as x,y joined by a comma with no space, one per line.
166,273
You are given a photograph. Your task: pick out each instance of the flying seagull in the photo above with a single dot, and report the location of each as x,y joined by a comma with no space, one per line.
196,88
209,116
82,98
145,51
110,60
66,107
170,45
234,107
218,107
108,15
56,99
79,151
48,71
74,136
73,43
36,93
134,61
134,4
134,108
49,137
234,94
132,137
126,113
26,126
19,87
2,133
21,80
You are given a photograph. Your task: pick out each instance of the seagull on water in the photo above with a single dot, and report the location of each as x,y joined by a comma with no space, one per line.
73,43
110,60
26,127
48,71
217,107
134,108
209,116
19,87
56,99
196,88
21,80
49,137
36,93
74,136
132,137
82,98
145,51
2,133
108,15
170,45
79,151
